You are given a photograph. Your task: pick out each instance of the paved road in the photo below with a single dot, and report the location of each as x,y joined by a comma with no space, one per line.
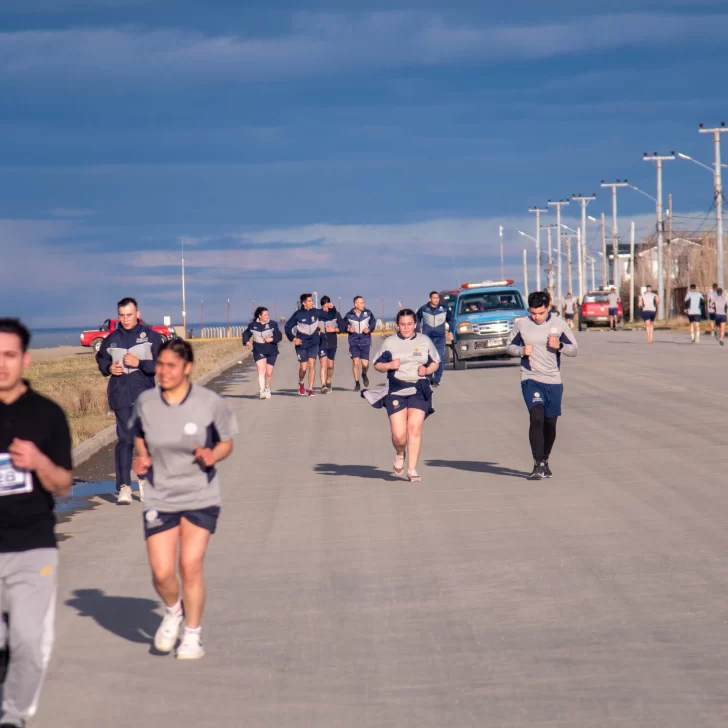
341,597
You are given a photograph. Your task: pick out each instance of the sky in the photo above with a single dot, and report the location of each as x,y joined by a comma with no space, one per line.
338,147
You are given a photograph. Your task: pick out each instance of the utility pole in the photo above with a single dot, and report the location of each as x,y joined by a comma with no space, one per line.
538,212
503,269
605,260
594,280
583,201
580,277
550,268
558,205
718,199
631,268
568,263
228,316
184,305
615,231
382,310
525,272
668,283
658,160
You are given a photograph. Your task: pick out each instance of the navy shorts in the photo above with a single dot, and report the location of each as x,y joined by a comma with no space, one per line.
270,358
360,351
614,312
720,318
329,353
395,404
157,522
308,351
711,315
548,395
569,316
694,318
649,315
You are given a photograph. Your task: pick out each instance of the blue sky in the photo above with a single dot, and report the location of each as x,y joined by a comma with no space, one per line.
327,146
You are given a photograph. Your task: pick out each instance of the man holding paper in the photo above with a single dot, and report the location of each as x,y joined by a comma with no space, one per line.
128,356
360,323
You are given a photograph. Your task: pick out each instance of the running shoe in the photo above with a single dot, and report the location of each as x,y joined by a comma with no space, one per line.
168,632
547,469
357,387
325,390
436,384
301,389
538,472
267,392
311,393
190,648
123,497
365,379
722,343
262,394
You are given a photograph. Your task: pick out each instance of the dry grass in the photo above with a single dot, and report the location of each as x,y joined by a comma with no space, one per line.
75,384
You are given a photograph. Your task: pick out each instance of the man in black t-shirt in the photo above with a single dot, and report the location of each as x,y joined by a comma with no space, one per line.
35,465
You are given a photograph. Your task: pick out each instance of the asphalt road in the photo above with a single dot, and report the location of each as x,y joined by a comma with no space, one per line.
340,596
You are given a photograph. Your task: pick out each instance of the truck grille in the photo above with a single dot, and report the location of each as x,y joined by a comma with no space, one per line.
493,328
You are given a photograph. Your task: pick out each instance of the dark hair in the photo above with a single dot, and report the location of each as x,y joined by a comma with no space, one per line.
692,285
715,285
356,298
538,299
259,312
19,329
306,296
405,312
719,291
126,302
649,285
324,300
181,348
434,293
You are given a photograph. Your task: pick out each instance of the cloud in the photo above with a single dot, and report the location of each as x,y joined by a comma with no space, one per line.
327,43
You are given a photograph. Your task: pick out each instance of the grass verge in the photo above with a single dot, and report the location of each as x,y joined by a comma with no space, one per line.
75,383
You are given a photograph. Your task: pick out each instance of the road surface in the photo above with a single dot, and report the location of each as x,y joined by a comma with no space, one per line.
340,596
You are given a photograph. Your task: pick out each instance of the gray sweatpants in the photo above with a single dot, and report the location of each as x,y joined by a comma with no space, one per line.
28,593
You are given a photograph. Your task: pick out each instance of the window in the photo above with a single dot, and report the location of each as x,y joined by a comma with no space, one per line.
105,326
485,302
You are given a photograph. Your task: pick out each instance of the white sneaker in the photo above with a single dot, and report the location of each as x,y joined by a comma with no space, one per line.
168,632
262,394
267,392
190,648
124,496
141,490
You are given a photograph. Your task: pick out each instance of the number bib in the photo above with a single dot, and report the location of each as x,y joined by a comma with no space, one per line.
12,481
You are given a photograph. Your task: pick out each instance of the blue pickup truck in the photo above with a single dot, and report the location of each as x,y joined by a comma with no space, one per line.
483,315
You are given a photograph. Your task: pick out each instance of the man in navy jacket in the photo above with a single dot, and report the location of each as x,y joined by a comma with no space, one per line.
432,318
360,323
128,357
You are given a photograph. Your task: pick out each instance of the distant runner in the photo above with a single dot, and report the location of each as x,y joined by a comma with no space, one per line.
613,303
712,294
693,302
540,340
721,310
648,302
408,359
360,322
264,336
433,319
569,308
35,466
331,324
181,431
127,355
303,330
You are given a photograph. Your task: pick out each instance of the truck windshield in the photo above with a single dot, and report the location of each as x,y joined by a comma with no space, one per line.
491,301
596,298
105,326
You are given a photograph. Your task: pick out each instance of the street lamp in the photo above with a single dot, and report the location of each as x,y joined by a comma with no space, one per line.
581,263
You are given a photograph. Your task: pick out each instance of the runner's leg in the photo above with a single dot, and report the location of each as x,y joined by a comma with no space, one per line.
324,370
124,450
330,372
536,433
355,366
162,553
311,373
549,435
398,423
268,374
260,365
415,420
193,544
302,367
440,346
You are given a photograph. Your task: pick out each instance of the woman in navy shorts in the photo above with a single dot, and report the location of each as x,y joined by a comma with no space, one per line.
264,336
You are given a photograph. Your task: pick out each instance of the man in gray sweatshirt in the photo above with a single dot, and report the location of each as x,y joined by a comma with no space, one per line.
540,340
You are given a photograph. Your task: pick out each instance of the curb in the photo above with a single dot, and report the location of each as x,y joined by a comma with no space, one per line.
88,448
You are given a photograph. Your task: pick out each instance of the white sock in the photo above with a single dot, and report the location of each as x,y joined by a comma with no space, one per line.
261,382
193,630
176,608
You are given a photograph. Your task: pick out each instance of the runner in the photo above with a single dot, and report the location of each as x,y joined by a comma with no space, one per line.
433,319
712,294
613,303
540,340
331,324
720,303
648,303
408,359
264,336
693,302
303,330
569,308
127,356
35,466
360,323
181,431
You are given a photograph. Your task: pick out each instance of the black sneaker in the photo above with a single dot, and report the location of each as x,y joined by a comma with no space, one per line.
538,472
365,379
722,343
4,661
357,387
547,469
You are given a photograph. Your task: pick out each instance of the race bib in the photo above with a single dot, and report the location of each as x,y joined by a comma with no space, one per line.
12,481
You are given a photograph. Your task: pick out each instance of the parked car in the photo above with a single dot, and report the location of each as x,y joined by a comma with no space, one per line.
95,337
595,310
483,316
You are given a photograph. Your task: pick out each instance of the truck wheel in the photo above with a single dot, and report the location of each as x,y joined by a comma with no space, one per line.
459,364
97,345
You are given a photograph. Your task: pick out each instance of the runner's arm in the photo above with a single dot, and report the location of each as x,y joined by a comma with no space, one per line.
569,347
277,335
290,324
103,358
515,344
148,366
247,334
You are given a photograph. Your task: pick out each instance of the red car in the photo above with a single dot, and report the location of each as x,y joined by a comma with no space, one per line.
595,309
95,337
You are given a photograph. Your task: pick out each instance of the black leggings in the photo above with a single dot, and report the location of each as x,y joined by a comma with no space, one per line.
541,433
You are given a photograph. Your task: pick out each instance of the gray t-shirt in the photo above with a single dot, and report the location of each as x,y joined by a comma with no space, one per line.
613,299
412,353
712,295
569,305
721,304
692,301
177,482
648,301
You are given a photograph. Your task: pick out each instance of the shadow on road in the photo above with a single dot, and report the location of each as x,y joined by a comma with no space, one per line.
476,466
132,619
355,471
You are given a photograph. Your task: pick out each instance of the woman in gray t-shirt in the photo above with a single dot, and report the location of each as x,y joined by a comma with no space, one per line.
181,431
408,359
